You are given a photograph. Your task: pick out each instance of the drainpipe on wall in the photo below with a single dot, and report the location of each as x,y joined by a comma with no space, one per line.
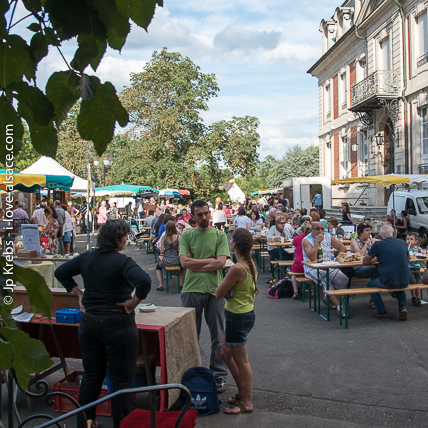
403,92
367,49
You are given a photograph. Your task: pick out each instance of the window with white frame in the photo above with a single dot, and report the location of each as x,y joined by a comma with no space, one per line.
384,57
361,70
327,102
345,142
343,91
425,131
421,42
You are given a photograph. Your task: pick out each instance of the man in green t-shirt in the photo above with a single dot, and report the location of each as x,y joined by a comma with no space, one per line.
203,252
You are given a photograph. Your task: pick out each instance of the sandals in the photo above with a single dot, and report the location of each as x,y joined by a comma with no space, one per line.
233,400
371,304
236,409
416,301
295,295
159,289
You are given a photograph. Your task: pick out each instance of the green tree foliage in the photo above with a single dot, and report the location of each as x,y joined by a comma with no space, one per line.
296,162
95,25
168,136
73,152
234,143
17,350
27,156
164,102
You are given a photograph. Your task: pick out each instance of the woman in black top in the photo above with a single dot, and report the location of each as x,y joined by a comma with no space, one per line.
107,331
346,214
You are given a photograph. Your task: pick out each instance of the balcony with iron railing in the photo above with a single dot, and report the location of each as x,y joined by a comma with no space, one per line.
366,94
422,60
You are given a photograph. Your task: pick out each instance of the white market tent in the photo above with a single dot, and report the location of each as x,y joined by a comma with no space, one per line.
46,165
236,194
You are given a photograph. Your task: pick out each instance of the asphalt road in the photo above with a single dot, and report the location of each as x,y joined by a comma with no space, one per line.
309,372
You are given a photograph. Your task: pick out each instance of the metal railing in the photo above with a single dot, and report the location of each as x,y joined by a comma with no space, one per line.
422,60
381,82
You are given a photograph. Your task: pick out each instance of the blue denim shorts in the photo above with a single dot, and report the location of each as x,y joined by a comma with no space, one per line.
237,328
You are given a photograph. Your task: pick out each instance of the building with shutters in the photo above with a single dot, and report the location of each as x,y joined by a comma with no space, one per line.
373,94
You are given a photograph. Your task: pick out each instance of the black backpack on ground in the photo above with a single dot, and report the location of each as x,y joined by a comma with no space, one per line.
280,289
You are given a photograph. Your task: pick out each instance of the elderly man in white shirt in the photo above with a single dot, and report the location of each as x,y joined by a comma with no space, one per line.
38,216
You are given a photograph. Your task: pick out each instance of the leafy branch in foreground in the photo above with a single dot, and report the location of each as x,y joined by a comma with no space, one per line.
95,24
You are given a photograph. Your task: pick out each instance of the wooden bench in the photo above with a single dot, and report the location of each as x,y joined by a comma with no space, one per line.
303,284
278,265
263,255
343,296
170,271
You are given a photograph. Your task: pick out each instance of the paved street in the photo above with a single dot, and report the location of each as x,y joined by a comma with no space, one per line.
308,372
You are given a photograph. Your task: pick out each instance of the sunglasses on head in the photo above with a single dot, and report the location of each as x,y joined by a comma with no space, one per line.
317,228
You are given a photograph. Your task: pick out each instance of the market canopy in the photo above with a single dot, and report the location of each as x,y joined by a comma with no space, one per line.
255,193
183,192
46,165
386,180
169,193
30,183
123,190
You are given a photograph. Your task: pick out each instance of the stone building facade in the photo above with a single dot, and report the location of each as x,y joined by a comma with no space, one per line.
373,94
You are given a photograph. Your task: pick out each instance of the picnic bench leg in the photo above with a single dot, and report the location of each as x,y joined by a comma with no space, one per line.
327,278
344,300
302,291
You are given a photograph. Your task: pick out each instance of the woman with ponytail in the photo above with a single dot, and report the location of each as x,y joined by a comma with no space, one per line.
239,288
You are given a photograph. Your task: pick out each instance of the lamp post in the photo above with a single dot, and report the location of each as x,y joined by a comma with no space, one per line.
107,162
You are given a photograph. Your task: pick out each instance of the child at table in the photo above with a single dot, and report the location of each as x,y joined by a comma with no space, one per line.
239,288
415,267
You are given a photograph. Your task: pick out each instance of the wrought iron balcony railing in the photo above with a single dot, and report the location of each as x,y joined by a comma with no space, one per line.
379,84
423,168
422,60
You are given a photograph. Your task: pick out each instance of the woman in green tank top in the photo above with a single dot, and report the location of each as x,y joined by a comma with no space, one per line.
239,288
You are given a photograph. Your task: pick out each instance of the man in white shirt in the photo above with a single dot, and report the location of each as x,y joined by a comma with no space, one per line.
39,215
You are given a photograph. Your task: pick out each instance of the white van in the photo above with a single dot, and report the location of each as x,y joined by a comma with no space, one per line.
415,202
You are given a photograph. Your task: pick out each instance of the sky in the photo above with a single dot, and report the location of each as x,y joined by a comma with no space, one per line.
259,51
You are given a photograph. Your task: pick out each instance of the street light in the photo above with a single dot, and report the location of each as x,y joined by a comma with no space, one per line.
107,162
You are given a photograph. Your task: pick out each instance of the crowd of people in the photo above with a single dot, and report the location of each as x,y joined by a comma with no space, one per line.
195,238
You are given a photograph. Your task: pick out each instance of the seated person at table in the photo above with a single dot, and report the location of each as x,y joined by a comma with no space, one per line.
255,218
415,267
273,220
297,266
334,228
393,271
276,234
362,244
323,220
296,218
107,331
241,219
402,225
169,250
338,280
314,216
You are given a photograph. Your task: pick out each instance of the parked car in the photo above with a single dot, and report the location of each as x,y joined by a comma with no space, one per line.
415,202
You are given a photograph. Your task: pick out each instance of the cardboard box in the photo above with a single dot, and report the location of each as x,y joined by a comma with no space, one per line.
30,254
68,315
70,386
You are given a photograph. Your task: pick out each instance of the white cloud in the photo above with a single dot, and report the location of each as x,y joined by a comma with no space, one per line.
233,38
